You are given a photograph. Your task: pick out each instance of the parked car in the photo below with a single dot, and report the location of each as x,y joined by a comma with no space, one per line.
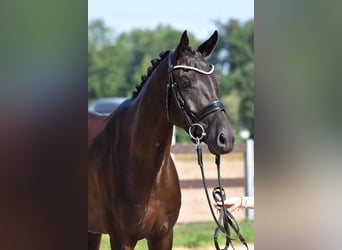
106,105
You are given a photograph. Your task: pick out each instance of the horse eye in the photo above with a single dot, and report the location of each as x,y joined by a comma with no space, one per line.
187,83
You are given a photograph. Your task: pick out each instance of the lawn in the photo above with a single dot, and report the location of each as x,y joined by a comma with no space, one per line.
195,235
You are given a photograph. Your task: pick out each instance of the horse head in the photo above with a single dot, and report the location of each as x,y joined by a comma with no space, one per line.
195,105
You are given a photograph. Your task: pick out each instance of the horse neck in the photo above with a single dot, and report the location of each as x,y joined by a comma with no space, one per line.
151,125
151,118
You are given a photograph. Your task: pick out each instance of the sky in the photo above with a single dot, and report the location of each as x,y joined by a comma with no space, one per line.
194,16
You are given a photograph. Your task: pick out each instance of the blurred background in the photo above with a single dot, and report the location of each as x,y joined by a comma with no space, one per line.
44,97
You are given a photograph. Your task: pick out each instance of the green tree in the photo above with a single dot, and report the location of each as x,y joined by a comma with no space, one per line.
115,65
234,56
107,62
98,41
99,35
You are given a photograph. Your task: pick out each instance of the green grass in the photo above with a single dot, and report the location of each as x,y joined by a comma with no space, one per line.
195,235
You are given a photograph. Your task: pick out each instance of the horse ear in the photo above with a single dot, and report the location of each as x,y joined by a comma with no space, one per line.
183,43
207,47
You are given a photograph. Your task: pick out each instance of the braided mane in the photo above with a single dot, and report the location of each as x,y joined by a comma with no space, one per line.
155,62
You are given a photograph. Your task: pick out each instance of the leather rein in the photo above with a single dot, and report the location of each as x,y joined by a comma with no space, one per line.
193,120
219,196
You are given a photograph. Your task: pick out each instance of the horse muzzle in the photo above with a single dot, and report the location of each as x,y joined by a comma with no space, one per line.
220,135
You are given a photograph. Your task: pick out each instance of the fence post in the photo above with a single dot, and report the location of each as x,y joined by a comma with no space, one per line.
249,174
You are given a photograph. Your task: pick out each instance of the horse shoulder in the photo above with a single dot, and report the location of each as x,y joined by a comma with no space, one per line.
165,200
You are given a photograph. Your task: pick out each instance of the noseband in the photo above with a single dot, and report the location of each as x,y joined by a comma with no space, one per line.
192,118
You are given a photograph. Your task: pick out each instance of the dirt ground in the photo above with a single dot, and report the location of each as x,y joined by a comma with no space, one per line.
194,203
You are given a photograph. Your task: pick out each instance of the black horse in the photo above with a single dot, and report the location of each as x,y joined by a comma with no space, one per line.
133,186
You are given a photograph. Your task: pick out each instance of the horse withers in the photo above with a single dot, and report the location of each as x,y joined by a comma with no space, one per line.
133,186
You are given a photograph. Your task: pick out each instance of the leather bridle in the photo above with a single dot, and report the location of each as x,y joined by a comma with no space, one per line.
192,118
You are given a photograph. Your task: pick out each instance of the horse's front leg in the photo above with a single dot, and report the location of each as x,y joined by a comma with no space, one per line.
118,244
162,242
94,240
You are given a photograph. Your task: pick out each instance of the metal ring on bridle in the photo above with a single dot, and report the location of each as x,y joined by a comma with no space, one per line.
191,130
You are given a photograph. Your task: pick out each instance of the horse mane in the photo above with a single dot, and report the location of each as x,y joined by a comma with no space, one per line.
155,62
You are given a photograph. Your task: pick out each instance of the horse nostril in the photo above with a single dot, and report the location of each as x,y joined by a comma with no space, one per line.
222,139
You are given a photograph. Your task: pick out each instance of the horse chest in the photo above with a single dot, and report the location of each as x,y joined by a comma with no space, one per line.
159,217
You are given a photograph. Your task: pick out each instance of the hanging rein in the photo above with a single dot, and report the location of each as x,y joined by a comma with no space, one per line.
225,217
